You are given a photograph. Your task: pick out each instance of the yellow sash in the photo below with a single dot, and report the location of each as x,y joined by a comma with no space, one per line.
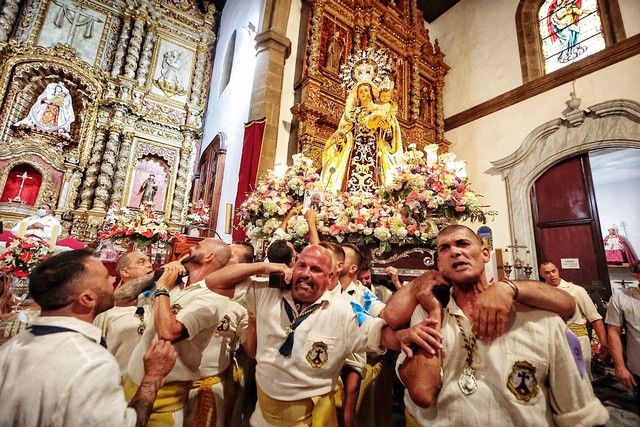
371,372
171,398
578,330
317,411
207,412
409,419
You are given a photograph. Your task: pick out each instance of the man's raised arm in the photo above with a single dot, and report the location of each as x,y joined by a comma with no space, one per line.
229,276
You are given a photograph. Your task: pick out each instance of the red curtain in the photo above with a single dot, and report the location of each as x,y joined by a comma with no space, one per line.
32,183
251,148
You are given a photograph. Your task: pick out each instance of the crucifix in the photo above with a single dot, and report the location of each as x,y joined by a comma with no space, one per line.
24,177
77,17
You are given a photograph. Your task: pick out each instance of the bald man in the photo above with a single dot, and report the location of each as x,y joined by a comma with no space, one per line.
123,325
186,313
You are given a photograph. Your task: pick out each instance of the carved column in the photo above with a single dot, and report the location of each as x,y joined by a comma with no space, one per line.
145,56
440,109
202,54
414,106
182,182
88,185
121,48
317,11
107,168
121,167
8,16
135,44
357,38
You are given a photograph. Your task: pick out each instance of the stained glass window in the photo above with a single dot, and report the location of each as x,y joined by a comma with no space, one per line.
570,30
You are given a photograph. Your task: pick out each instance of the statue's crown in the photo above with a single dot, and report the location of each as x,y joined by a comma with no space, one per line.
371,65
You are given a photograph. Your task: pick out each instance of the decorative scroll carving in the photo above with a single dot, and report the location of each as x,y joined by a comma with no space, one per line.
145,149
8,16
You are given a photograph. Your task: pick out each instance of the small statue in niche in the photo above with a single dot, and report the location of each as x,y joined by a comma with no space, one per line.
169,80
335,50
149,188
52,111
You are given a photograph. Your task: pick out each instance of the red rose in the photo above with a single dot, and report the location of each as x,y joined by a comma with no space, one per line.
21,274
148,234
6,269
25,245
26,257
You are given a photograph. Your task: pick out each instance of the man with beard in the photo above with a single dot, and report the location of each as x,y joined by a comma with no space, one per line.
56,372
303,338
527,376
185,313
123,325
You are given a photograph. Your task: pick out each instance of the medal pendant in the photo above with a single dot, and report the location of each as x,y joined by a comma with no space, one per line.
467,381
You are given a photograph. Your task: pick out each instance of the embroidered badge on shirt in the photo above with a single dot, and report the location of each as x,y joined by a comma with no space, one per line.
318,355
176,308
223,326
522,381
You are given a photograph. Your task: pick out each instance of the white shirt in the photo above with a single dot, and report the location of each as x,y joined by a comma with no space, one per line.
363,296
321,343
585,308
624,310
119,327
536,347
230,331
51,227
198,310
61,379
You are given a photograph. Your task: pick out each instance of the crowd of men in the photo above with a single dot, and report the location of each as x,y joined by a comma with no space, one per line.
214,338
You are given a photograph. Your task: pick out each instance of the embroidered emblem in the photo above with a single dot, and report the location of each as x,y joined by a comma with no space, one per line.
522,381
223,326
176,308
318,355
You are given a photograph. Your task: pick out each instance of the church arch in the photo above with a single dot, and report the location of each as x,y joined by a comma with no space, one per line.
610,124
530,43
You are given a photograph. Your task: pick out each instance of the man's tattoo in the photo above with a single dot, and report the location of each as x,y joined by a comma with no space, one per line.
143,400
133,288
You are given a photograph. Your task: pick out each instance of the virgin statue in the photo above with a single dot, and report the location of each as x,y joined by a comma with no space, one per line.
362,154
52,111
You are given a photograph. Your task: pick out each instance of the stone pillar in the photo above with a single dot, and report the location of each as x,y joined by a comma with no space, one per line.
183,185
8,16
317,10
91,176
145,56
122,167
135,45
107,168
121,48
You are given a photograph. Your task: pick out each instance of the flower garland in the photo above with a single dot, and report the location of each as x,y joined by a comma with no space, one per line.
425,196
23,254
142,227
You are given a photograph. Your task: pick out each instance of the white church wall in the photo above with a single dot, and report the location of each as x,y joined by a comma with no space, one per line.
228,110
481,47
499,134
287,99
630,10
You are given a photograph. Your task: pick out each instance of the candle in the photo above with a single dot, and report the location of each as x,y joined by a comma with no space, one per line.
432,154
228,218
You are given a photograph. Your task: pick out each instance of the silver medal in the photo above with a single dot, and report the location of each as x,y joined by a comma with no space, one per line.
467,381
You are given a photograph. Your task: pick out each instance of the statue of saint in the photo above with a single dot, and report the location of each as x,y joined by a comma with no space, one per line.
170,77
362,154
335,49
149,188
52,111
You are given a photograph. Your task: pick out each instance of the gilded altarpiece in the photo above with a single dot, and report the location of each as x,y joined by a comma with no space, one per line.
337,28
94,95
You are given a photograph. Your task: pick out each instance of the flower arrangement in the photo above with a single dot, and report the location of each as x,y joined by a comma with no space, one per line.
198,215
428,193
144,227
23,254
264,208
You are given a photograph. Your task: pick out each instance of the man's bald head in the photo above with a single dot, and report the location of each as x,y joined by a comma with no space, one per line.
209,251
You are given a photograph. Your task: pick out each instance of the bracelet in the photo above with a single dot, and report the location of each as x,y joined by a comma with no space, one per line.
161,292
513,287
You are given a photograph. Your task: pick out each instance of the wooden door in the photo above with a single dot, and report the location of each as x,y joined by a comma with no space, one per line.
566,223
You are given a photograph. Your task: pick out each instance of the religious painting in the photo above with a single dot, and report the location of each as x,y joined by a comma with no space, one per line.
75,25
149,184
427,111
52,111
570,30
336,47
173,70
22,185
